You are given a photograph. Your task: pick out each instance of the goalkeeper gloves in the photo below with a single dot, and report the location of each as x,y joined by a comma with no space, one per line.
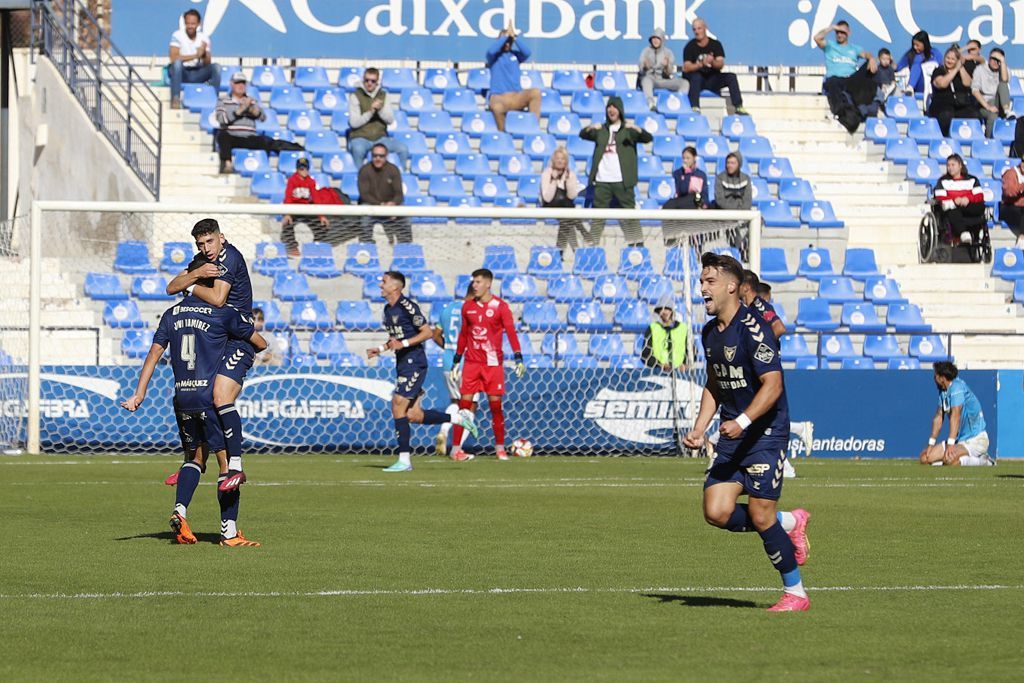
520,367
456,368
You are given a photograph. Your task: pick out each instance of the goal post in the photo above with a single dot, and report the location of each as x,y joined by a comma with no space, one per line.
586,390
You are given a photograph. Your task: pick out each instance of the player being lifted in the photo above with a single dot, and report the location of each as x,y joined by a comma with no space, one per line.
485,318
967,445
230,286
745,380
407,330
198,335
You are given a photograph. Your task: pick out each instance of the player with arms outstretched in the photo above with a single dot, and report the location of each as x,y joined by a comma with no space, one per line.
745,380
408,330
485,318
967,445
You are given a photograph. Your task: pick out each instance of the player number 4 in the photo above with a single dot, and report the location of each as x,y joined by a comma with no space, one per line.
188,350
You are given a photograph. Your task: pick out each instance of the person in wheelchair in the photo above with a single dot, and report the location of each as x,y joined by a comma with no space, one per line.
959,216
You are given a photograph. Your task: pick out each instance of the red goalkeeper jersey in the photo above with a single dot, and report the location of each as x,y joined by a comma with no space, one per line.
482,327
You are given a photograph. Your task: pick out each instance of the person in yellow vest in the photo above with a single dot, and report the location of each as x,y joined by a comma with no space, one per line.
665,341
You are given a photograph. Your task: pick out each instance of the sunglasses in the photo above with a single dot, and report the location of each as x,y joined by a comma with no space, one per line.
379,156
369,80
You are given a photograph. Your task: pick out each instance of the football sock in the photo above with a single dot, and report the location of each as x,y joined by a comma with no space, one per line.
739,520
235,463
435,417
453,410
787,520
231,422
497,421
780,551
403,432
405,458
796,428
228,509
188,480
458,431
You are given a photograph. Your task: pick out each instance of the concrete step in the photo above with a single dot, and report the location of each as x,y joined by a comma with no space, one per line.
962,311
959,325
965,302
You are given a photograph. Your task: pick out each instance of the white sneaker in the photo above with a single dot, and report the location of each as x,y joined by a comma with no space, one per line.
788,471
808,438
965,237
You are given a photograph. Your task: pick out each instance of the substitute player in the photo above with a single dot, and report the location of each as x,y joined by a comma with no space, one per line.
484,319
198,335
745,379
408,330
230,286
969,448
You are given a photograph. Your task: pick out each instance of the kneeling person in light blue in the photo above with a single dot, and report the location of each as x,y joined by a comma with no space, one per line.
967,445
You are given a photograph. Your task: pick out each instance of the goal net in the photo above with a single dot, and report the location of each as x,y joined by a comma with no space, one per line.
581,314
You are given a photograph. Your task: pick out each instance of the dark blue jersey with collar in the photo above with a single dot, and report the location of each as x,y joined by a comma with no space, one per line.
403,320
737,358
235,272
764,310
197,334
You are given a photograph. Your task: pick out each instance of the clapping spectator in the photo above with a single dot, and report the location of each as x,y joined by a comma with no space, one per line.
733,188
951,91
237,114
299,190
191,59
961,198
841,61
1011,209
507,94
658,68
920,52
991,88
703,61
369,116
380,184
559,187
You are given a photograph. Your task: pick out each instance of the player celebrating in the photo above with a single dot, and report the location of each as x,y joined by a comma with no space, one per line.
484,318
198,334
407,331
230,286
745,379
969,448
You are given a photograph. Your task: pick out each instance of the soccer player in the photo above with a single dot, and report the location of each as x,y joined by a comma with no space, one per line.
230,286
969,448
198,335
485,318
745,380
408,329
446,335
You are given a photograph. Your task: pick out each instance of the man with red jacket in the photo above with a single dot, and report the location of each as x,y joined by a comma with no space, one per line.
300,190
485,318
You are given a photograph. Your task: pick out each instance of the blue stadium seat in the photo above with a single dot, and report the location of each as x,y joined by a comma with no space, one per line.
399,79
928,348
338,165
924,171
226,72
350,78
545,262
322,142
924,130
695,127
590,262
177,256
104,287
567,289
311,314
539,146
902,108
541,315
551,103
308,360
150,288
328,345
1000,167
416,101
661,189
861,317
318,260
837,347
514,166
428,165
857,363
538,361
902,151
587,316
271,258
793,347
478,80
479,124
197,97
635,263
135,344
413,139
674,266
446,188
606,346
672,104
466,201
649,167
528,188
1018,291
880,130
773,265
819,214
776,169
133,257
269,184
837,290
588,103
441,79
815,263
289,286
461,102
429,287
906,318
339,121
814,314
521,123
737,127
530,78
882,347
361,259
883,290
611,289
311,78
286,161
477,167
610,82
560,345
655,289
756,148
567,82
632,315
759,189
249,162
653,122
452,144
408,258
272,319
565,125
371,286
941,149
809,363
208,121
497,144
435,123
777,213
967,130
668,146
860,264
500,259
992,189
903,363
796,191
1004,130
305,121
266,77
286,99
122,315
517,289
1008,264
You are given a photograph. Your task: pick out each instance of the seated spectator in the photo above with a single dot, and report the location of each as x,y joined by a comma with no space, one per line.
703,61
961,199
951,92
507,94
191,59
884,77
920,52
972,56
369,116
237,114
1011,208
665,341
380,184
558,188
733,188
299,190
691,184
277,348
990,85
658,69
841,61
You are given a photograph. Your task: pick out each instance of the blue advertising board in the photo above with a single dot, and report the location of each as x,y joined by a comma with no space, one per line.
765,32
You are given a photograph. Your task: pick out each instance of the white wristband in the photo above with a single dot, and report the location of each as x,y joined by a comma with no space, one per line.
931,442
950,442
382,348
743,421
405,343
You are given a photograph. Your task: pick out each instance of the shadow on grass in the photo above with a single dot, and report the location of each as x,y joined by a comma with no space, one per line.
700,600
169,537
1010,476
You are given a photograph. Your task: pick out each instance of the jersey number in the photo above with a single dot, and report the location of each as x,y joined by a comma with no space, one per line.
188,350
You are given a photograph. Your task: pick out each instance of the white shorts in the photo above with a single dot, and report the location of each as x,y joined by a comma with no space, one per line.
977,451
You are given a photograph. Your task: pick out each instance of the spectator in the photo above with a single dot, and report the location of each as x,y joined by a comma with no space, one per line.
920,52
703,61
658,69
951,92
962,200
972,56
1011,209
841,61
665,341
507,94
380,184
237,114
691,184
299,190
277,348
191,60
884,77
733,188
613,168
369,116
559,187
990,85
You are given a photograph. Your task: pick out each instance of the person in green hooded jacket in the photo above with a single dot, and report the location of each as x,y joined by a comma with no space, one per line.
613,169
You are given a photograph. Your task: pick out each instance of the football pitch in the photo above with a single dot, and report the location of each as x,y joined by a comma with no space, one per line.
547,569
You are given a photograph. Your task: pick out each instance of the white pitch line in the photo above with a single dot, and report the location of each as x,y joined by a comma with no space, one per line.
413,592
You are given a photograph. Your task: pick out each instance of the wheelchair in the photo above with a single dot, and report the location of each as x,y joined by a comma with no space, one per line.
937,242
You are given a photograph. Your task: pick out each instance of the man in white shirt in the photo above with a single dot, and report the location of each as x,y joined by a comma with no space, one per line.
191,58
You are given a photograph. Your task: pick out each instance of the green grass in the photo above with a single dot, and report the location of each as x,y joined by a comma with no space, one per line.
93,588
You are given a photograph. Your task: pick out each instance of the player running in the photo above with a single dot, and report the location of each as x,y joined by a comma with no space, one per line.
485,318
745,379
198,335
969,448
407,330
230,286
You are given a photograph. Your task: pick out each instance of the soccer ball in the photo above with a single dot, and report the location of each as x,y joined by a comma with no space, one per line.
522,448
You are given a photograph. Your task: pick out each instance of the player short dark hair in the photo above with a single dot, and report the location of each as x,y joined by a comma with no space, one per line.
193,12
723,263
764,290
205,227
395,275
750,279
945,368
483,272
